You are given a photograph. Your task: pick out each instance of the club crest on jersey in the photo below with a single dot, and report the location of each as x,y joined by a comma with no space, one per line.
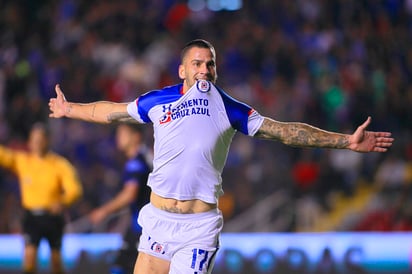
203,86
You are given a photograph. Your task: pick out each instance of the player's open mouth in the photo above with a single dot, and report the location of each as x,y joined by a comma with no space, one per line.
204,78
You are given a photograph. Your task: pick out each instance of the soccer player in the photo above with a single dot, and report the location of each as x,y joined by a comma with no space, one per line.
194,123
135,193
48,184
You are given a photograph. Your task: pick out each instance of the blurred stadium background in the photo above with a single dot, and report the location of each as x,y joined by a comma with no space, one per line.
330,63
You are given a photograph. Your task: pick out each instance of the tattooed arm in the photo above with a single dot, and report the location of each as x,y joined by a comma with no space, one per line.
99,112
304,135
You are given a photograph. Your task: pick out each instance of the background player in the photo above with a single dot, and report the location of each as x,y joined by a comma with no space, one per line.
48,185
135,193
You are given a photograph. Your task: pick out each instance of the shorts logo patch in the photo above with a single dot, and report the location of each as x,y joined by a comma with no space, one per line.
158,248
203,86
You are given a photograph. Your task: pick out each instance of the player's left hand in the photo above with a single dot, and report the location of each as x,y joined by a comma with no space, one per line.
369,141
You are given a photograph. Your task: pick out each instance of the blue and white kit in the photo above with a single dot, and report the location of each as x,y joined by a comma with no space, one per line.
192,136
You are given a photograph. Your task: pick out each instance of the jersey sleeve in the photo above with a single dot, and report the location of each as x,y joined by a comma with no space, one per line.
139,108
242,117
137,113
8,158
255,121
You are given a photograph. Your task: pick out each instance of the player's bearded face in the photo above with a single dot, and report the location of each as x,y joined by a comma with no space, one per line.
199,64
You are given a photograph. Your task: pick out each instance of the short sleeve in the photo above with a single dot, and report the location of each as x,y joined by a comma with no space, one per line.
255,121
242,117
132,110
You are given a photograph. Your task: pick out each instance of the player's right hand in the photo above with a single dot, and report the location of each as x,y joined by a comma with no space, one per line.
97,216
58,105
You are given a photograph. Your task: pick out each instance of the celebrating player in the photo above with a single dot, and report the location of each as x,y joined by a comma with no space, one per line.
194,123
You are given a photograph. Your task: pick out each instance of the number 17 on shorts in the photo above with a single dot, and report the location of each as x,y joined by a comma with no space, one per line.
202,260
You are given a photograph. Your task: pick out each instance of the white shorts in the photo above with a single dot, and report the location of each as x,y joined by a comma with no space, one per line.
189,241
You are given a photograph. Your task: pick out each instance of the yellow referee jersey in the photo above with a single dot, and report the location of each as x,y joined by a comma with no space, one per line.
43,181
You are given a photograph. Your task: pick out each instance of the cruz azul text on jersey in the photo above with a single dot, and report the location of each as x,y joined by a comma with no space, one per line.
197,106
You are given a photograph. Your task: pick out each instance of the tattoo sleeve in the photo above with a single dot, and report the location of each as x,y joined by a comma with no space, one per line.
301,135
120,117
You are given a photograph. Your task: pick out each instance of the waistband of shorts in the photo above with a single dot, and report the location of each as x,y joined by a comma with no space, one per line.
37,211
183,217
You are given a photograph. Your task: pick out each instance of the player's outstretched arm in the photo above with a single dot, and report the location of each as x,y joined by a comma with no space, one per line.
305,135
98,112
124,198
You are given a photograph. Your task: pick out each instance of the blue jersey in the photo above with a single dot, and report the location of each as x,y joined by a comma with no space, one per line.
192,136
136,171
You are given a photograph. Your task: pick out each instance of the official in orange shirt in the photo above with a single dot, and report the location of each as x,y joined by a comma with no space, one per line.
48,185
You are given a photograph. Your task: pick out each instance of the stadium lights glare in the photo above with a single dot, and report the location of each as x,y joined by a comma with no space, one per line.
214,5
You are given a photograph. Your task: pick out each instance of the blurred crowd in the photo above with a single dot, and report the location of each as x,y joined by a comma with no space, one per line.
330,63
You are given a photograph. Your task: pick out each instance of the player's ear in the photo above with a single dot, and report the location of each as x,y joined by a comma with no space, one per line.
182,72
